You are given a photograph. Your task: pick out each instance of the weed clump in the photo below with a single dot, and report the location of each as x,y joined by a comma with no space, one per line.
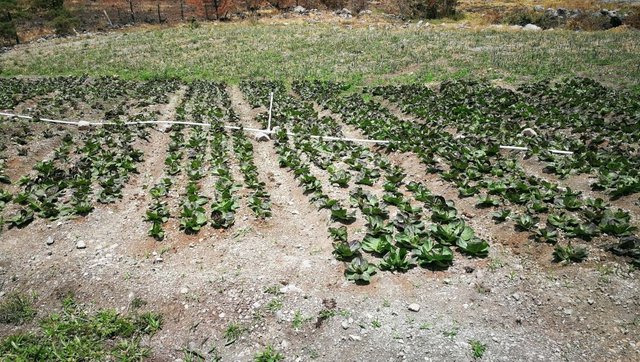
17,309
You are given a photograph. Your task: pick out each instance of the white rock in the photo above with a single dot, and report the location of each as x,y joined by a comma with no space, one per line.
414,307
81,245
290,289
532,27
262,137
50,240
345,325
164,127
300,10
353,337
184,290
529,132
83,125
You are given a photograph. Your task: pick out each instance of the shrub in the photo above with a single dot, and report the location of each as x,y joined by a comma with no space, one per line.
64,22
633,20
334,4
49,4
427,9
589,22
8,34
523,17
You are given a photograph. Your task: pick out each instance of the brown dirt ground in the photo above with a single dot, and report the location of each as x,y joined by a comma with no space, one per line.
516,301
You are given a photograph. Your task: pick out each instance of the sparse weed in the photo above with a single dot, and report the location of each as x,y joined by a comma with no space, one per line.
17,309
477,348
232,333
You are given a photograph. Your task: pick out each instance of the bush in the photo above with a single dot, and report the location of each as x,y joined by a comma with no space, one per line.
589,22
8,34
633,20
334,4
523,17
49,4
64,22
427,9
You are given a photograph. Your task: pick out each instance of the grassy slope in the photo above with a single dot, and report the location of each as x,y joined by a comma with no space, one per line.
231,52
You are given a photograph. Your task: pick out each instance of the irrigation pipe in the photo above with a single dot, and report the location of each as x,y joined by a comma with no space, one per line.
270,109
518,148
256,130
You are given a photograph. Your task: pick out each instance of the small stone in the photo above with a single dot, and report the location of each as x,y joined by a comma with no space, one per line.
515,296
50,240
221,315
300,10
590,301
83,125
468,269
529,132
164,127
295,212
345,325
353,337
81,245
568,311
262,137
158,260
532,27
414,307
184,290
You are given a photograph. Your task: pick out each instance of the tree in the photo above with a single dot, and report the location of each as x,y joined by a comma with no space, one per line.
49,4
7,26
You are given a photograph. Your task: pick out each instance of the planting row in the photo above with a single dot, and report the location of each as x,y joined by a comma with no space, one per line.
406,225
477,168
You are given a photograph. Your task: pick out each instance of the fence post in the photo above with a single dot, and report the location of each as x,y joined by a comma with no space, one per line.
133,18
159,17
182,10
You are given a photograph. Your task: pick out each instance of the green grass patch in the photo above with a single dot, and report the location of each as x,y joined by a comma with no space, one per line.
237,51
17,309
75,335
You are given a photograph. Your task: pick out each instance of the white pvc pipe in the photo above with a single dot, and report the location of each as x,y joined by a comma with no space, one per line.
80,123
270,109
267,131
518,148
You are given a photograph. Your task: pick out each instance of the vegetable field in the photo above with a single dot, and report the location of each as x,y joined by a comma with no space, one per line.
381,217
439,196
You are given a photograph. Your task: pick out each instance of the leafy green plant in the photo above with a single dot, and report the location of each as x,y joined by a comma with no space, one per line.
434,256
340,214
346,250
487,201
474,247
380,244
569,253
397,259
268,355
360,271
501,215
339,234
526,222
546,235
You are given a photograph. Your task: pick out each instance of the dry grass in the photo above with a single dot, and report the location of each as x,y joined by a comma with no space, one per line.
384,54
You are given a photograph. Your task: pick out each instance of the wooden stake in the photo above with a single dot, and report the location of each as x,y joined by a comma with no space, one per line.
107,16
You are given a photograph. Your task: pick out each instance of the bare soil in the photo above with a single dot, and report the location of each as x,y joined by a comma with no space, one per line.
517,301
